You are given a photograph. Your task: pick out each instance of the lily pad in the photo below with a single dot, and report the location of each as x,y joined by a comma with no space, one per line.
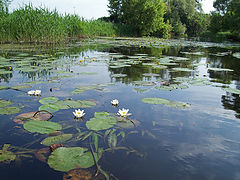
81,89
48,100
5,155
166,102
41,116
3,87
65,159
49,107
21,87
101,121
220,69
183,69
43,127
4,103
236,55
66,104
155,100
9,110
56,139
232,90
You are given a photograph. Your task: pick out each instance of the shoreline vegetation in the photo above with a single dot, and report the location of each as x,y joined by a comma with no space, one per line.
130,18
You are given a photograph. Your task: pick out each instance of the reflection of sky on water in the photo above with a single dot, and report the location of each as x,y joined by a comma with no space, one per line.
200,142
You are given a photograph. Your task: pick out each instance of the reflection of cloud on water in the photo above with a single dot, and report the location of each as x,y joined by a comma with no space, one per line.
199,138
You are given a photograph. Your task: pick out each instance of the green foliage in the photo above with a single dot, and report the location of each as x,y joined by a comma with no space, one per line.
142,17
225,21
43,127
42,25
186,17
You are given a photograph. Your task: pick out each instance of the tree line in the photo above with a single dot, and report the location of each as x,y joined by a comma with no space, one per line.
177,18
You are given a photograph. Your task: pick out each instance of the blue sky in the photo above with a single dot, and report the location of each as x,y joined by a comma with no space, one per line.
85,8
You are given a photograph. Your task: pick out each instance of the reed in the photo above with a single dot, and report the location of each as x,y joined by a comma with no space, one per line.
29,24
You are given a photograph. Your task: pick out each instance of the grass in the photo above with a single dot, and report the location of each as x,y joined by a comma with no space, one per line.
30,24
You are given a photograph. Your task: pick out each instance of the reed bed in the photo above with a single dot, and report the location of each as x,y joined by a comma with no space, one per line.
29,24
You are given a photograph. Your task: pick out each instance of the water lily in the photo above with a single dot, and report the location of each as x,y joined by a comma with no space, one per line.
37,92
78,113
123,112
32,92
114,102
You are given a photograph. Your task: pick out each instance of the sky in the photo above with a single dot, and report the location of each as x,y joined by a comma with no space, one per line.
89,9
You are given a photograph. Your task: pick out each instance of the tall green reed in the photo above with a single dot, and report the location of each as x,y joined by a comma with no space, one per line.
31,24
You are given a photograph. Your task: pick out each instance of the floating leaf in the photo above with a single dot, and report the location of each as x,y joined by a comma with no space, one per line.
49,107
232,90
101,114
42,127
21,87
155,100
81,89
236,55
41,116
219,69
9,110
183,69
48,100
165,102
101,121
4,103
56,139
118,75
79,174
66,104
66,159
6,156
3,87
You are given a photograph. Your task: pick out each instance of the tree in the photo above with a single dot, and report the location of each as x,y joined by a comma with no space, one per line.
144,17
4,5
185,16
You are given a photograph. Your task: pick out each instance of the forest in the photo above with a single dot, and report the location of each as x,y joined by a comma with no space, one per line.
131,18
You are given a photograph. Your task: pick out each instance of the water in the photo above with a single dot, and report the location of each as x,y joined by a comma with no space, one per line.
196,141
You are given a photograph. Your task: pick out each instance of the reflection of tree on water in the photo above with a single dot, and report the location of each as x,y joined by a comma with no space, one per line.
232,102
5,77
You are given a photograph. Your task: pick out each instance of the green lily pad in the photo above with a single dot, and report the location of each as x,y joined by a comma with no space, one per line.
155,100
232,90
48,100
183,69
101,121
81,89
4,103
9,110
220,69
66,104
101,114
87,73
6,156
43,127
49,107
3,87
236,55
166,102
118,75
65,159
200,82
56,139
21,87
34,82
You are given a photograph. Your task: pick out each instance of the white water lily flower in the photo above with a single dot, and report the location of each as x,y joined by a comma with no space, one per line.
37,92
123,112
32,92
78,113
114,102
